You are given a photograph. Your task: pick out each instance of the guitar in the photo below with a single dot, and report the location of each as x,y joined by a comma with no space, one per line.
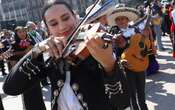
137,53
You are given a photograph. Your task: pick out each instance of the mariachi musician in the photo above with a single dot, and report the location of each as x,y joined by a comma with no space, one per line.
75,86
134,55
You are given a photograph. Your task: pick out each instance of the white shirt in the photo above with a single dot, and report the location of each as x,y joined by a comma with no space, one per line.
67,99
128,32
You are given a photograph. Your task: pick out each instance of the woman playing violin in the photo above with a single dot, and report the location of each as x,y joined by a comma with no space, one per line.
79,88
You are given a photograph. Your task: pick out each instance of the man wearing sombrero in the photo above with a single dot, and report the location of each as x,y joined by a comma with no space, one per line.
134,56
121,16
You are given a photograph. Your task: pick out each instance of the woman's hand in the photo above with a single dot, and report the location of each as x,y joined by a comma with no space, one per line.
103,55
54,45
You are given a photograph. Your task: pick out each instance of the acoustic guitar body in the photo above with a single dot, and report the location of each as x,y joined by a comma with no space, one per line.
136,61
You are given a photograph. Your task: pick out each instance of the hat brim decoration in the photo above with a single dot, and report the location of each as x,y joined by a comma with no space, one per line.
104,10
131,13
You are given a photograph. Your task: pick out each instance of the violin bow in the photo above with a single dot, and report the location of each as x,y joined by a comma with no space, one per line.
83,21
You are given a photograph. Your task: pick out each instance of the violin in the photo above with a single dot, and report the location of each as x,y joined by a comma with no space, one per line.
78,46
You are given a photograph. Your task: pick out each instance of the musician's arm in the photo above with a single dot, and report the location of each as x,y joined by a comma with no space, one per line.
109,67
23,76
22,53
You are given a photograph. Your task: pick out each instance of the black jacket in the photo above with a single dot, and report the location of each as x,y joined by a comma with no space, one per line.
87,75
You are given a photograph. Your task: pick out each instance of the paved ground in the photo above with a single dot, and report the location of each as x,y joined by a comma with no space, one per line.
160,92
160,87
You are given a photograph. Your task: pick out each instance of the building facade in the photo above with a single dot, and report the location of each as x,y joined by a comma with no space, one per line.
24,10
34,9
14,10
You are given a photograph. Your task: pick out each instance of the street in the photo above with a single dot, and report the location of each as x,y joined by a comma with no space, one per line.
160,92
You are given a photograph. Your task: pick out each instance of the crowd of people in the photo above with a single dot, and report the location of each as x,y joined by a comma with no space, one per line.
104,70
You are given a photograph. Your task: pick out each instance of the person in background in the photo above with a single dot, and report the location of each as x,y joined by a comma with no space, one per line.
4,46
21,46
134,46
31,97
156,7
33,35
166,21
7,40
156,22
172,28
41,29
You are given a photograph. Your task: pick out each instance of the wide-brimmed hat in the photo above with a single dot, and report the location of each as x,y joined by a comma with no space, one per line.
29,24
131,13
100,11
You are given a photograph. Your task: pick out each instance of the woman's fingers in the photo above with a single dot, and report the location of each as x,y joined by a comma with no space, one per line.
55,47
53,51
59,45
103,54
95,42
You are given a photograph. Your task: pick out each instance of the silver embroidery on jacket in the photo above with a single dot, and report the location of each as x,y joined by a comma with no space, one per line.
113,89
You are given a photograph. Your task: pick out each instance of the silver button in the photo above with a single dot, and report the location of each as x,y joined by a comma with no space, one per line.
80,96
84,104
75,87
29,76
24,63
20,69
60,83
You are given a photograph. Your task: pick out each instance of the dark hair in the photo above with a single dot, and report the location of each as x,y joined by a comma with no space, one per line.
17,39
50,4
